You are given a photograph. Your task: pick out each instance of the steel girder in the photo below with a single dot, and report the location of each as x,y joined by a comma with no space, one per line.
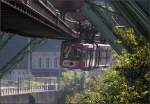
101,27
110,23
20,55
135,15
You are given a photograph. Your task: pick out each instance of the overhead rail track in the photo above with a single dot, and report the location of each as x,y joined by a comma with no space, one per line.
34,18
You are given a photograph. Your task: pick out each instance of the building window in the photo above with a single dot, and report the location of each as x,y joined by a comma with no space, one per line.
51,64
55,62
47,62
40,62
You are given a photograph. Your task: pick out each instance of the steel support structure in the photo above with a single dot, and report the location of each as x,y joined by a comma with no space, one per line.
4,40
101,26
19,56
110,23
135,15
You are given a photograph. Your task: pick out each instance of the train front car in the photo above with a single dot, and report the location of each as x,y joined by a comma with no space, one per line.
71,56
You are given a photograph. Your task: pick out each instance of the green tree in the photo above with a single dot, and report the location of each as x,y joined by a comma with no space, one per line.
128,81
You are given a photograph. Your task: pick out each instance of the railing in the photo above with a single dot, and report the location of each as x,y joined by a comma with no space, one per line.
21,85
15,90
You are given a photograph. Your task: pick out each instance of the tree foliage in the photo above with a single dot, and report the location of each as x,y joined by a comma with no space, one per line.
128,81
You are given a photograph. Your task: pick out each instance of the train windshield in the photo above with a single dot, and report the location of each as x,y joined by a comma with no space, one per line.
72,53
71,56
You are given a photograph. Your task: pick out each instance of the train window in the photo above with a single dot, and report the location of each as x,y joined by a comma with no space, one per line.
97,56
72,53
86,59
108,58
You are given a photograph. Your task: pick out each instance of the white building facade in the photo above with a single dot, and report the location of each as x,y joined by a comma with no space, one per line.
45,60
16,74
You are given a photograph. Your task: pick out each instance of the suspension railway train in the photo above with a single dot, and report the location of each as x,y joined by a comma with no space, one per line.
85,56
